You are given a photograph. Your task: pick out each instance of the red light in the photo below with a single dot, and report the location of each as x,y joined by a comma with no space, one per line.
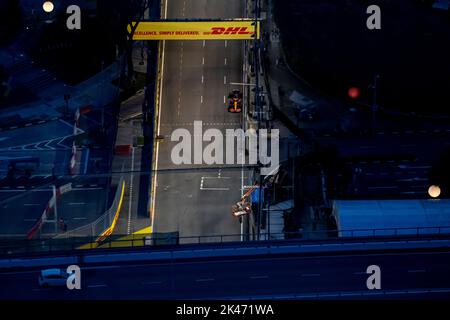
353,92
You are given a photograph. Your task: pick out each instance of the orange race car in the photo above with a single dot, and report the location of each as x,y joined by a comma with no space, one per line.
235,102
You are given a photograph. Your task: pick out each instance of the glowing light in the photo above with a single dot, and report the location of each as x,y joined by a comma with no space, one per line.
48,6
353,92
434,191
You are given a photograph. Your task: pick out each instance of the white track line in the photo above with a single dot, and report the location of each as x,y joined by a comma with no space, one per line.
159,122
131,192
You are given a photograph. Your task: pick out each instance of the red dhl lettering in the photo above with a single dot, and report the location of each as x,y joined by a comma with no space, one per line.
230,30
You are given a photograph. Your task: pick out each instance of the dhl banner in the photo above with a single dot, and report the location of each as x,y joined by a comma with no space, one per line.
198,30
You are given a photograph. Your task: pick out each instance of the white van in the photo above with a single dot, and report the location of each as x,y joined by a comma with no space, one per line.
53,278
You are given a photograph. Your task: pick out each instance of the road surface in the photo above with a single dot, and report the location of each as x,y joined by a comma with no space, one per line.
196,82
21,208
403,275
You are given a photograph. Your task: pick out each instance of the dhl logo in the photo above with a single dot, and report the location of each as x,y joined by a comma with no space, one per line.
230,30
196,30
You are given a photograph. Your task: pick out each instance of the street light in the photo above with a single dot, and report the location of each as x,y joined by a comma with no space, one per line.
434,191
48,6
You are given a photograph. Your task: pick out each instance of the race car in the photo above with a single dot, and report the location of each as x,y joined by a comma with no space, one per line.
235,101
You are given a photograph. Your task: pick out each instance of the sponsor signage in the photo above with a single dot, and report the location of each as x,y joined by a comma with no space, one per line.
198,30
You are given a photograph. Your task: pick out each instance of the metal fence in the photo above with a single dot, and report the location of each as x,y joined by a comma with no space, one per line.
22,246
97,227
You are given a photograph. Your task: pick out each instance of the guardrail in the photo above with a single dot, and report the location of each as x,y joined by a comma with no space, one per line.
104,225
14,245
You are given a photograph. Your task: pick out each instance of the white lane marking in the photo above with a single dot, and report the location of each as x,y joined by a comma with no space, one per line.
360,294
224,99
97,286
101,268
202,181
226,43
66,123
204,43
219,177
31,204
224,79
413,179
79,218
165,9
35,145
243,127
159,124
47,289
77,203
204,280
203,79
259,277
390,187
311,275
151,282
203,60
131,192
225,61
404,166
46,190
201,99
349,294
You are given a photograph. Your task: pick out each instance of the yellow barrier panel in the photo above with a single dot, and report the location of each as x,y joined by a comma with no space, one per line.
197,30
135,239
108,231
